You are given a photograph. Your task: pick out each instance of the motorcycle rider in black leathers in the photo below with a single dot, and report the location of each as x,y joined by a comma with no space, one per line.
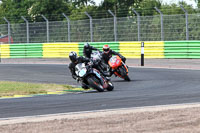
74,61
107,54
87,50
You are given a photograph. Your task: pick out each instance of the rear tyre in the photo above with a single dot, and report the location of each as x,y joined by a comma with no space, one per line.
95,84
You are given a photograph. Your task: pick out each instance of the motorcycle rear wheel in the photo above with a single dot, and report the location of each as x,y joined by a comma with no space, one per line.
95,84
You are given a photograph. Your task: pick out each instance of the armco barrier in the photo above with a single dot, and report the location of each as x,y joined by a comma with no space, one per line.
182,49
59,50
152,49
26,50
130,49
5,50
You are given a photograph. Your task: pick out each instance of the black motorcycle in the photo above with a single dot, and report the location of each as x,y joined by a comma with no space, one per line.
96,58
93,78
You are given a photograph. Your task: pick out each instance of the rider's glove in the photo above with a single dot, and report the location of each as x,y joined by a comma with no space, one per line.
74,77
123,59
90,63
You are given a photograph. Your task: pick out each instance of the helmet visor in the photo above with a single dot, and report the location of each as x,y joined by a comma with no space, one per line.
106,50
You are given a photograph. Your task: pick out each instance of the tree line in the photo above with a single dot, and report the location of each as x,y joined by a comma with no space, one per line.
74,9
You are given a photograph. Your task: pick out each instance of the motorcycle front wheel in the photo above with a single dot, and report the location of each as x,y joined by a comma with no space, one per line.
95,84
124,74
110,86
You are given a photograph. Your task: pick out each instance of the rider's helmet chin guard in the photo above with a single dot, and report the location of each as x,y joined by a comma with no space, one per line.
106,49
73,56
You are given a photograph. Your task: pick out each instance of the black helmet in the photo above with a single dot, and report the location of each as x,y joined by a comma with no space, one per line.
86,45
73,56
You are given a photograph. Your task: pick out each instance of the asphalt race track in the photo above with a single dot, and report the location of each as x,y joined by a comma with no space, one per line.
149,86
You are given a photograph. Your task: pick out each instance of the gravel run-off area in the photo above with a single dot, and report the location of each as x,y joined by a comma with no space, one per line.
157,119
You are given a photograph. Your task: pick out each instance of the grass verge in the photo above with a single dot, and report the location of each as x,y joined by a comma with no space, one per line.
10,88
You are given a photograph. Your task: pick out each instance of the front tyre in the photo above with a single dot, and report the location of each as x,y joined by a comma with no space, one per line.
124,74
127,78
95,84
110,86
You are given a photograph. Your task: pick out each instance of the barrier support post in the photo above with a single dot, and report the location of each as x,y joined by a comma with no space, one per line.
115,24
138,22
68,24
47,25
186,22
27,29
91,29
161,23
9,33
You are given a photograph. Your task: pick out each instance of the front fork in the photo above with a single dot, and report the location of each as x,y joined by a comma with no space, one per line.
124,67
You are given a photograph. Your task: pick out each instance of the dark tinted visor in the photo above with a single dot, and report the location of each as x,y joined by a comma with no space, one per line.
73,59
106,50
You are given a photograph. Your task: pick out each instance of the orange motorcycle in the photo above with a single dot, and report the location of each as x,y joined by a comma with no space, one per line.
119,67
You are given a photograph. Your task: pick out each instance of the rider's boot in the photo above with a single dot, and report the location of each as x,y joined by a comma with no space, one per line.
112,72
84,86
108,78
106,74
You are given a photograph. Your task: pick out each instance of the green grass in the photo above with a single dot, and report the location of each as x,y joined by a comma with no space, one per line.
10,88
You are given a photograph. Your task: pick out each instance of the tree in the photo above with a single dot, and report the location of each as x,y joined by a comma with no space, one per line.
79,3
119,6
14,9
146,7
176,9
52,9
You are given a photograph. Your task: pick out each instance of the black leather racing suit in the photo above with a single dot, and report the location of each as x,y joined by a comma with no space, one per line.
107,56
88,51
72,68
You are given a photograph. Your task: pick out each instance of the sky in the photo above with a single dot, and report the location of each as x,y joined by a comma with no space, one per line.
190,2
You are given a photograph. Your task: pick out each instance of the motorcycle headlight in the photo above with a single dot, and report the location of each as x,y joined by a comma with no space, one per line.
82,72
